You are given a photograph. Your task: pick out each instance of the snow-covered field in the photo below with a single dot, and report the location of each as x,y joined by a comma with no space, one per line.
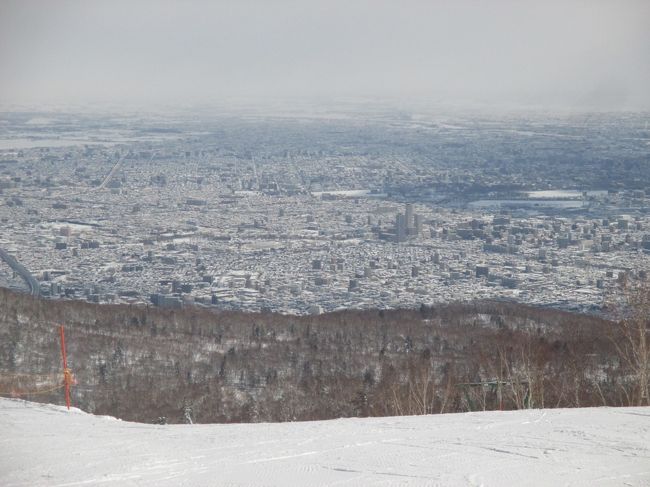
47,445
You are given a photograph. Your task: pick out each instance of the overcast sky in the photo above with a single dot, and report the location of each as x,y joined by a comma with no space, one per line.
593,54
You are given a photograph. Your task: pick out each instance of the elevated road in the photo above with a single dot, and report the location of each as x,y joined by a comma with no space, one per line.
109,176
21,270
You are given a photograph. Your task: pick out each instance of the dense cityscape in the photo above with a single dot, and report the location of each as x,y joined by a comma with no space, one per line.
343,209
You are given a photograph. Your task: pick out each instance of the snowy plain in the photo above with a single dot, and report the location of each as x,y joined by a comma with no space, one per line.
50,446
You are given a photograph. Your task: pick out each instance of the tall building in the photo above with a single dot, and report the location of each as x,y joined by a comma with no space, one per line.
409,215
418,224
400,227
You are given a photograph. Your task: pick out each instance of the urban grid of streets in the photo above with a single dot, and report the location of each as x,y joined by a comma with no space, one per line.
303,214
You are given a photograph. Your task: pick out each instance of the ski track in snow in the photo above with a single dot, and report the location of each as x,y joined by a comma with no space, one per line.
45,445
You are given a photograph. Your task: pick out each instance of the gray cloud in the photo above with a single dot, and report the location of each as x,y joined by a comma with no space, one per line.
577,53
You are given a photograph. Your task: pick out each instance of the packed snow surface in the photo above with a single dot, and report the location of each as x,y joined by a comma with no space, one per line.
48,445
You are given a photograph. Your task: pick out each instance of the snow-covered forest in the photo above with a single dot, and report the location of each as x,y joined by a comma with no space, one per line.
149,364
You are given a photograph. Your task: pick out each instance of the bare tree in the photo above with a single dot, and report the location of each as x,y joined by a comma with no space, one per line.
631,337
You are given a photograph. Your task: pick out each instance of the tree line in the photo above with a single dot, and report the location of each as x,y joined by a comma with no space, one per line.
145,363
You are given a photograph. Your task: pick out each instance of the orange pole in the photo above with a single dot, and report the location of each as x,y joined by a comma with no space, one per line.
66,372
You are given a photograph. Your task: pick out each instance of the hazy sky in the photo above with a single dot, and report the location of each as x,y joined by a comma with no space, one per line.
576,53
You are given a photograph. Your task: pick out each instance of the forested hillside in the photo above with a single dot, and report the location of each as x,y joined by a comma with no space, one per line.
141,363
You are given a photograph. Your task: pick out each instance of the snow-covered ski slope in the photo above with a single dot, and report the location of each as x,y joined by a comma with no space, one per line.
47,445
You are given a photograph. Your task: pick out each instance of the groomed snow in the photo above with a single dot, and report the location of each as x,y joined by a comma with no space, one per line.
47,445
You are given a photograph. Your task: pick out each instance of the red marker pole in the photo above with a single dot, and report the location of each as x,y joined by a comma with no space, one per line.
66,372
